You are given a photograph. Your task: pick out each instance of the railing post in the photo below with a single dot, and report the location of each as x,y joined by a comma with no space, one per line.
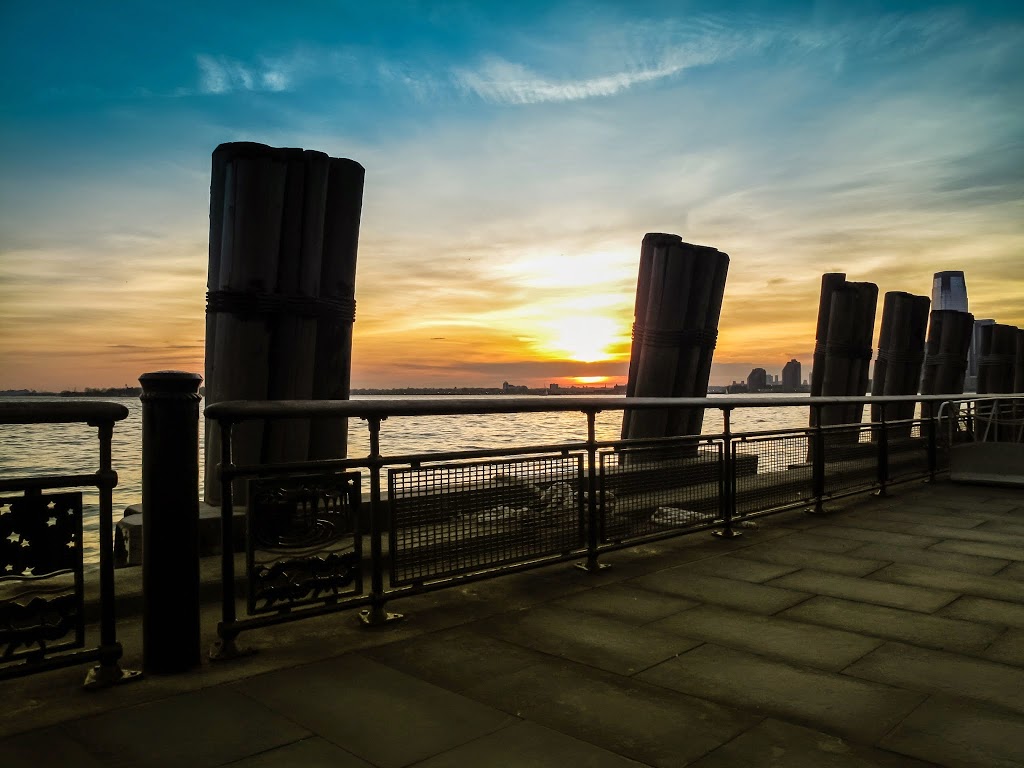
729,501
883,453
591,565
108,671
224,647
376,614
933,448
170,521
818,464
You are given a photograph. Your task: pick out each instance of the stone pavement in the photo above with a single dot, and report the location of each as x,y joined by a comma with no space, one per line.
889,633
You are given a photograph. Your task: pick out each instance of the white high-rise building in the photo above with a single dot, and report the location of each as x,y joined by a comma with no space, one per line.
949,291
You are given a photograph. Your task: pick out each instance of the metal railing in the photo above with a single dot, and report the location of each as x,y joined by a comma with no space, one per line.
454,516
42,573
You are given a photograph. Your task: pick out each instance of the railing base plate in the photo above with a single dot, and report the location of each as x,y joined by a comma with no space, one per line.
592,567
104,677
727,533
227,649
378,617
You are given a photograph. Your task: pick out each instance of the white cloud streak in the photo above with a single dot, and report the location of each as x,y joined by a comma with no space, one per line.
222,74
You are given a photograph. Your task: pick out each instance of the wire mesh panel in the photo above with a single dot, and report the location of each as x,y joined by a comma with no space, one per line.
851,459
782,475
303,543
448,519
651,492
907,450
41,565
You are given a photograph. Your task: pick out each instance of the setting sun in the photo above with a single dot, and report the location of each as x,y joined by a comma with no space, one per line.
585,339
590,379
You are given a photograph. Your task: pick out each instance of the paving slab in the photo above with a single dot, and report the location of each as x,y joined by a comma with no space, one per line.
598,641
984,549
840,531
968,534
456,658
647,723
1008,648
817,543
836,703
930,671
528,744
895,624
866,591
805,558
918,507
982,609
314,752
626,603
46,746
872,522
1013,571
771,636
1015,528
202,728
756,598
381,715
776,744
986,566
960,734
965,583
731,567
918,516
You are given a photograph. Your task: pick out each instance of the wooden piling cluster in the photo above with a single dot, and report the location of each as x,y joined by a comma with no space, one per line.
284,226
1000,371
679,295
842,350
901,342
945,361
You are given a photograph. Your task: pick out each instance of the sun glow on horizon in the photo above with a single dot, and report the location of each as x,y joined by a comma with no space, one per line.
590,379
583,339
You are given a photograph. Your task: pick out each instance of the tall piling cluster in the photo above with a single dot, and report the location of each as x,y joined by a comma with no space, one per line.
842,349
1000,371
901,343
679,294
284,229
945,362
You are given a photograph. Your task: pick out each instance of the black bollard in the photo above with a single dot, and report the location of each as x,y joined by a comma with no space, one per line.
170,521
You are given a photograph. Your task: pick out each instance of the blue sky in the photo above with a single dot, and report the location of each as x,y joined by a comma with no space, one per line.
516,153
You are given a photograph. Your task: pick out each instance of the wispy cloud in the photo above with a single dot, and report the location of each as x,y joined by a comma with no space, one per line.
222,74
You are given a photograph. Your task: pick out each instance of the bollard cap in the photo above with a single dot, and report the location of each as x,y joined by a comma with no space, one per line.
170,382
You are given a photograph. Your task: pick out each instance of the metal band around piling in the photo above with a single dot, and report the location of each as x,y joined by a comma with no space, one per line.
259,304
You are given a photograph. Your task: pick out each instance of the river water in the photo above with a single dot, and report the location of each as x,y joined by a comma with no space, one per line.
44,449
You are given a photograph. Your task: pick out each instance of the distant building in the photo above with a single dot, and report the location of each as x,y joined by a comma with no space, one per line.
949,291
791,376
757,380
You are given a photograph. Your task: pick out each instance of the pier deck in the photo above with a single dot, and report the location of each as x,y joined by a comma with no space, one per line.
890,632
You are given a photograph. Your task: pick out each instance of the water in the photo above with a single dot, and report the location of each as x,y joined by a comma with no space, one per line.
46,449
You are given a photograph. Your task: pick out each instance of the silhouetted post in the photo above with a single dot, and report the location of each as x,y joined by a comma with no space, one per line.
679,301
945,362
284,224
170,520
328,438
996,374
901,344
830,281
293,337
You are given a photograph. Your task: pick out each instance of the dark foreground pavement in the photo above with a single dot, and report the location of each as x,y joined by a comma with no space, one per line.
890,633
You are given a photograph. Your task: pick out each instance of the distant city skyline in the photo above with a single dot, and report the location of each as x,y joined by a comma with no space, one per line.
513,165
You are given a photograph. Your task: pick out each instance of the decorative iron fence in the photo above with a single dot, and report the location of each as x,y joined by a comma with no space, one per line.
42,574
455,516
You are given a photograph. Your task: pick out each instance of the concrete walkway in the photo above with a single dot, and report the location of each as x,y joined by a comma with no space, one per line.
890,633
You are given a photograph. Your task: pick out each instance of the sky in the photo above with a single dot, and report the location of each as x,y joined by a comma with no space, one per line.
515,155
